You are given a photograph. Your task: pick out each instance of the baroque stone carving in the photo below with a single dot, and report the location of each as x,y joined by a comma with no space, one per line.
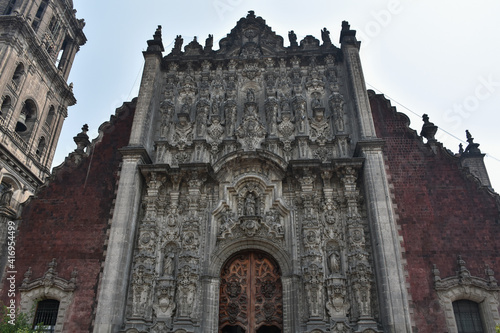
142,280
215,133
286,131
183,135
313,276
337,304
270,126
165,294
251,133
187,286
320,129
337,106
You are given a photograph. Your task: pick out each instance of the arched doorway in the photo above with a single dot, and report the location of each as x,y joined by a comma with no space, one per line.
251,298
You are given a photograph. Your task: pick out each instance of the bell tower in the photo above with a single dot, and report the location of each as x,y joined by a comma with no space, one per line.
38,43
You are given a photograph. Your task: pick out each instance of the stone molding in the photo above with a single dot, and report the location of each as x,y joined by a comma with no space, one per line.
464,286
48,286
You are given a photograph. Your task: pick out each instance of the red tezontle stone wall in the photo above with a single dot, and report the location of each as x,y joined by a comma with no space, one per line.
68,220
441,210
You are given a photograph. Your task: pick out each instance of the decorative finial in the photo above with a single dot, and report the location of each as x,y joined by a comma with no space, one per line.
428,129
157,35
156,44
177,44
347,35
472,148
82,140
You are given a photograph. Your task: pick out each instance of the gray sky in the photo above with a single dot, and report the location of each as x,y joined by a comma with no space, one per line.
439,58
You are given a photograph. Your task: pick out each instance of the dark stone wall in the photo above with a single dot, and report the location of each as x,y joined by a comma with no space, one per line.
68,219
441,210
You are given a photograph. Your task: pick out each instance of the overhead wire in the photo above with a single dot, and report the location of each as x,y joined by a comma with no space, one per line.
419,115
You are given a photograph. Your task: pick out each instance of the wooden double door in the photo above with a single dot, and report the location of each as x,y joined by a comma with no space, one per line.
251,299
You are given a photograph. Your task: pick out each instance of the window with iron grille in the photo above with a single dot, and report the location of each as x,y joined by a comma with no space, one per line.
46,315
467,316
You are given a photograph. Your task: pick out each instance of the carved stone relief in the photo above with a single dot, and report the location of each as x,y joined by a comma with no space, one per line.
240,118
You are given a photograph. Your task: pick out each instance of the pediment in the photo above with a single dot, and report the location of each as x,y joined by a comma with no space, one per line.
251,38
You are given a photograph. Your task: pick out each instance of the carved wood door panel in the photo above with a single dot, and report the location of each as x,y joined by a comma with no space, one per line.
250,295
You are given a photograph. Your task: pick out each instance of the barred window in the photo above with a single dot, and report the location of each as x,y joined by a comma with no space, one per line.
46,315
467,316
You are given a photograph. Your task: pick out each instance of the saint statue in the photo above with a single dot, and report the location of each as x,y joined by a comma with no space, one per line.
250,205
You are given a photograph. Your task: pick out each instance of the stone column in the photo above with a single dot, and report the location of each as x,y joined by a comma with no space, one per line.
391,283
113,290
291,303
210,317
390,279
149,97
115,279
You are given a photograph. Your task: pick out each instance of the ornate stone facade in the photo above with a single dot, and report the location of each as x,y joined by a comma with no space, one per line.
253,151
260,187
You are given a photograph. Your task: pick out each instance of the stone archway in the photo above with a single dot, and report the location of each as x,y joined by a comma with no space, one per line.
251,294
